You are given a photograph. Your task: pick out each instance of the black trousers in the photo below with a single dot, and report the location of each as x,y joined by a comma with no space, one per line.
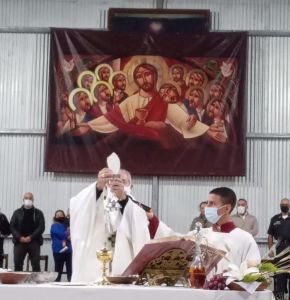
59,260
20,251
281,281
1,252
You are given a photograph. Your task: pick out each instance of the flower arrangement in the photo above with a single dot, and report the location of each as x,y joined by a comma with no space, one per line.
265,271
251,276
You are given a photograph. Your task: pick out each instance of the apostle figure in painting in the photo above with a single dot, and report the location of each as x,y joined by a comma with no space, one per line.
103,72
86,79
216,91
170,93
194,102
119,82
80,103
196,78
216,117
102,95
64,116
177,73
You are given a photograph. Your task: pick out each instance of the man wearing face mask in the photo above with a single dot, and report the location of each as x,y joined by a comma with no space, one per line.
238,244
244,220
27,225
201,218
101,210
279,229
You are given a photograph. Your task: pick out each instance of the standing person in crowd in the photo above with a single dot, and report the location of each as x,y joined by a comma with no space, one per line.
4,231
201,218
279,230
244,220
61,245
27,225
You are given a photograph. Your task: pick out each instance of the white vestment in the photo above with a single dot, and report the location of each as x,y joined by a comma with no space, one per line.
89,233
238,244
176,117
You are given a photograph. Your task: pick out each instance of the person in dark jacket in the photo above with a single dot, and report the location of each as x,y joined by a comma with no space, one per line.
4,231
27,225
61,245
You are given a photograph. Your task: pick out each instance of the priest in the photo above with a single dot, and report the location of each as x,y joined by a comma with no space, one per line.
105,213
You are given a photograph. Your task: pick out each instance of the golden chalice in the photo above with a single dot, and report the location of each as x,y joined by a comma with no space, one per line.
141,114
105,256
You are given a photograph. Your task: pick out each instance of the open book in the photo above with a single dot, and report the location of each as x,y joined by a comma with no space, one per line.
173,253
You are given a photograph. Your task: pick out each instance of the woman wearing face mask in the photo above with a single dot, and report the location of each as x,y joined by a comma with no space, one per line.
61,245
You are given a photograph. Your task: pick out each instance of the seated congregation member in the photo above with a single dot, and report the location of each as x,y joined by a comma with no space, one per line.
239,245
61,245
27,226
94,222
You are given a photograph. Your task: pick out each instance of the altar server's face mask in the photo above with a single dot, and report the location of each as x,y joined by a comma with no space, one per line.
211,214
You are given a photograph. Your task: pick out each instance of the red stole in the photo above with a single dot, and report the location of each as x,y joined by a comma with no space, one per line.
226,227
153,225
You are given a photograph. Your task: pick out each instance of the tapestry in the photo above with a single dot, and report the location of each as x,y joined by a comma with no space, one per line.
167,104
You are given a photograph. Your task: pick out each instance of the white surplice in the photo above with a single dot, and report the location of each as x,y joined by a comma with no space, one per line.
238,244
89,233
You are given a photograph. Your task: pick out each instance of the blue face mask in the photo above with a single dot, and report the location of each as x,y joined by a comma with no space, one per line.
211,214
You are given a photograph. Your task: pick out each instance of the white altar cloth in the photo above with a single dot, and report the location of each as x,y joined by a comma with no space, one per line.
120,292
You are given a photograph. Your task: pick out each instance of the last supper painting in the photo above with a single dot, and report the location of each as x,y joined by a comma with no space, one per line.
176,102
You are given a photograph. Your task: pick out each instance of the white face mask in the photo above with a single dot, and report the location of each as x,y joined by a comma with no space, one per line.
27,203
211,214
127,189
241,210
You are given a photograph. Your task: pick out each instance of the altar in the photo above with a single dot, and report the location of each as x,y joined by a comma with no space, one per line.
64,290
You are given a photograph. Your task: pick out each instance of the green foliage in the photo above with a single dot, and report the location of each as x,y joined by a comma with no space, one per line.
265,270
248,278
268,267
